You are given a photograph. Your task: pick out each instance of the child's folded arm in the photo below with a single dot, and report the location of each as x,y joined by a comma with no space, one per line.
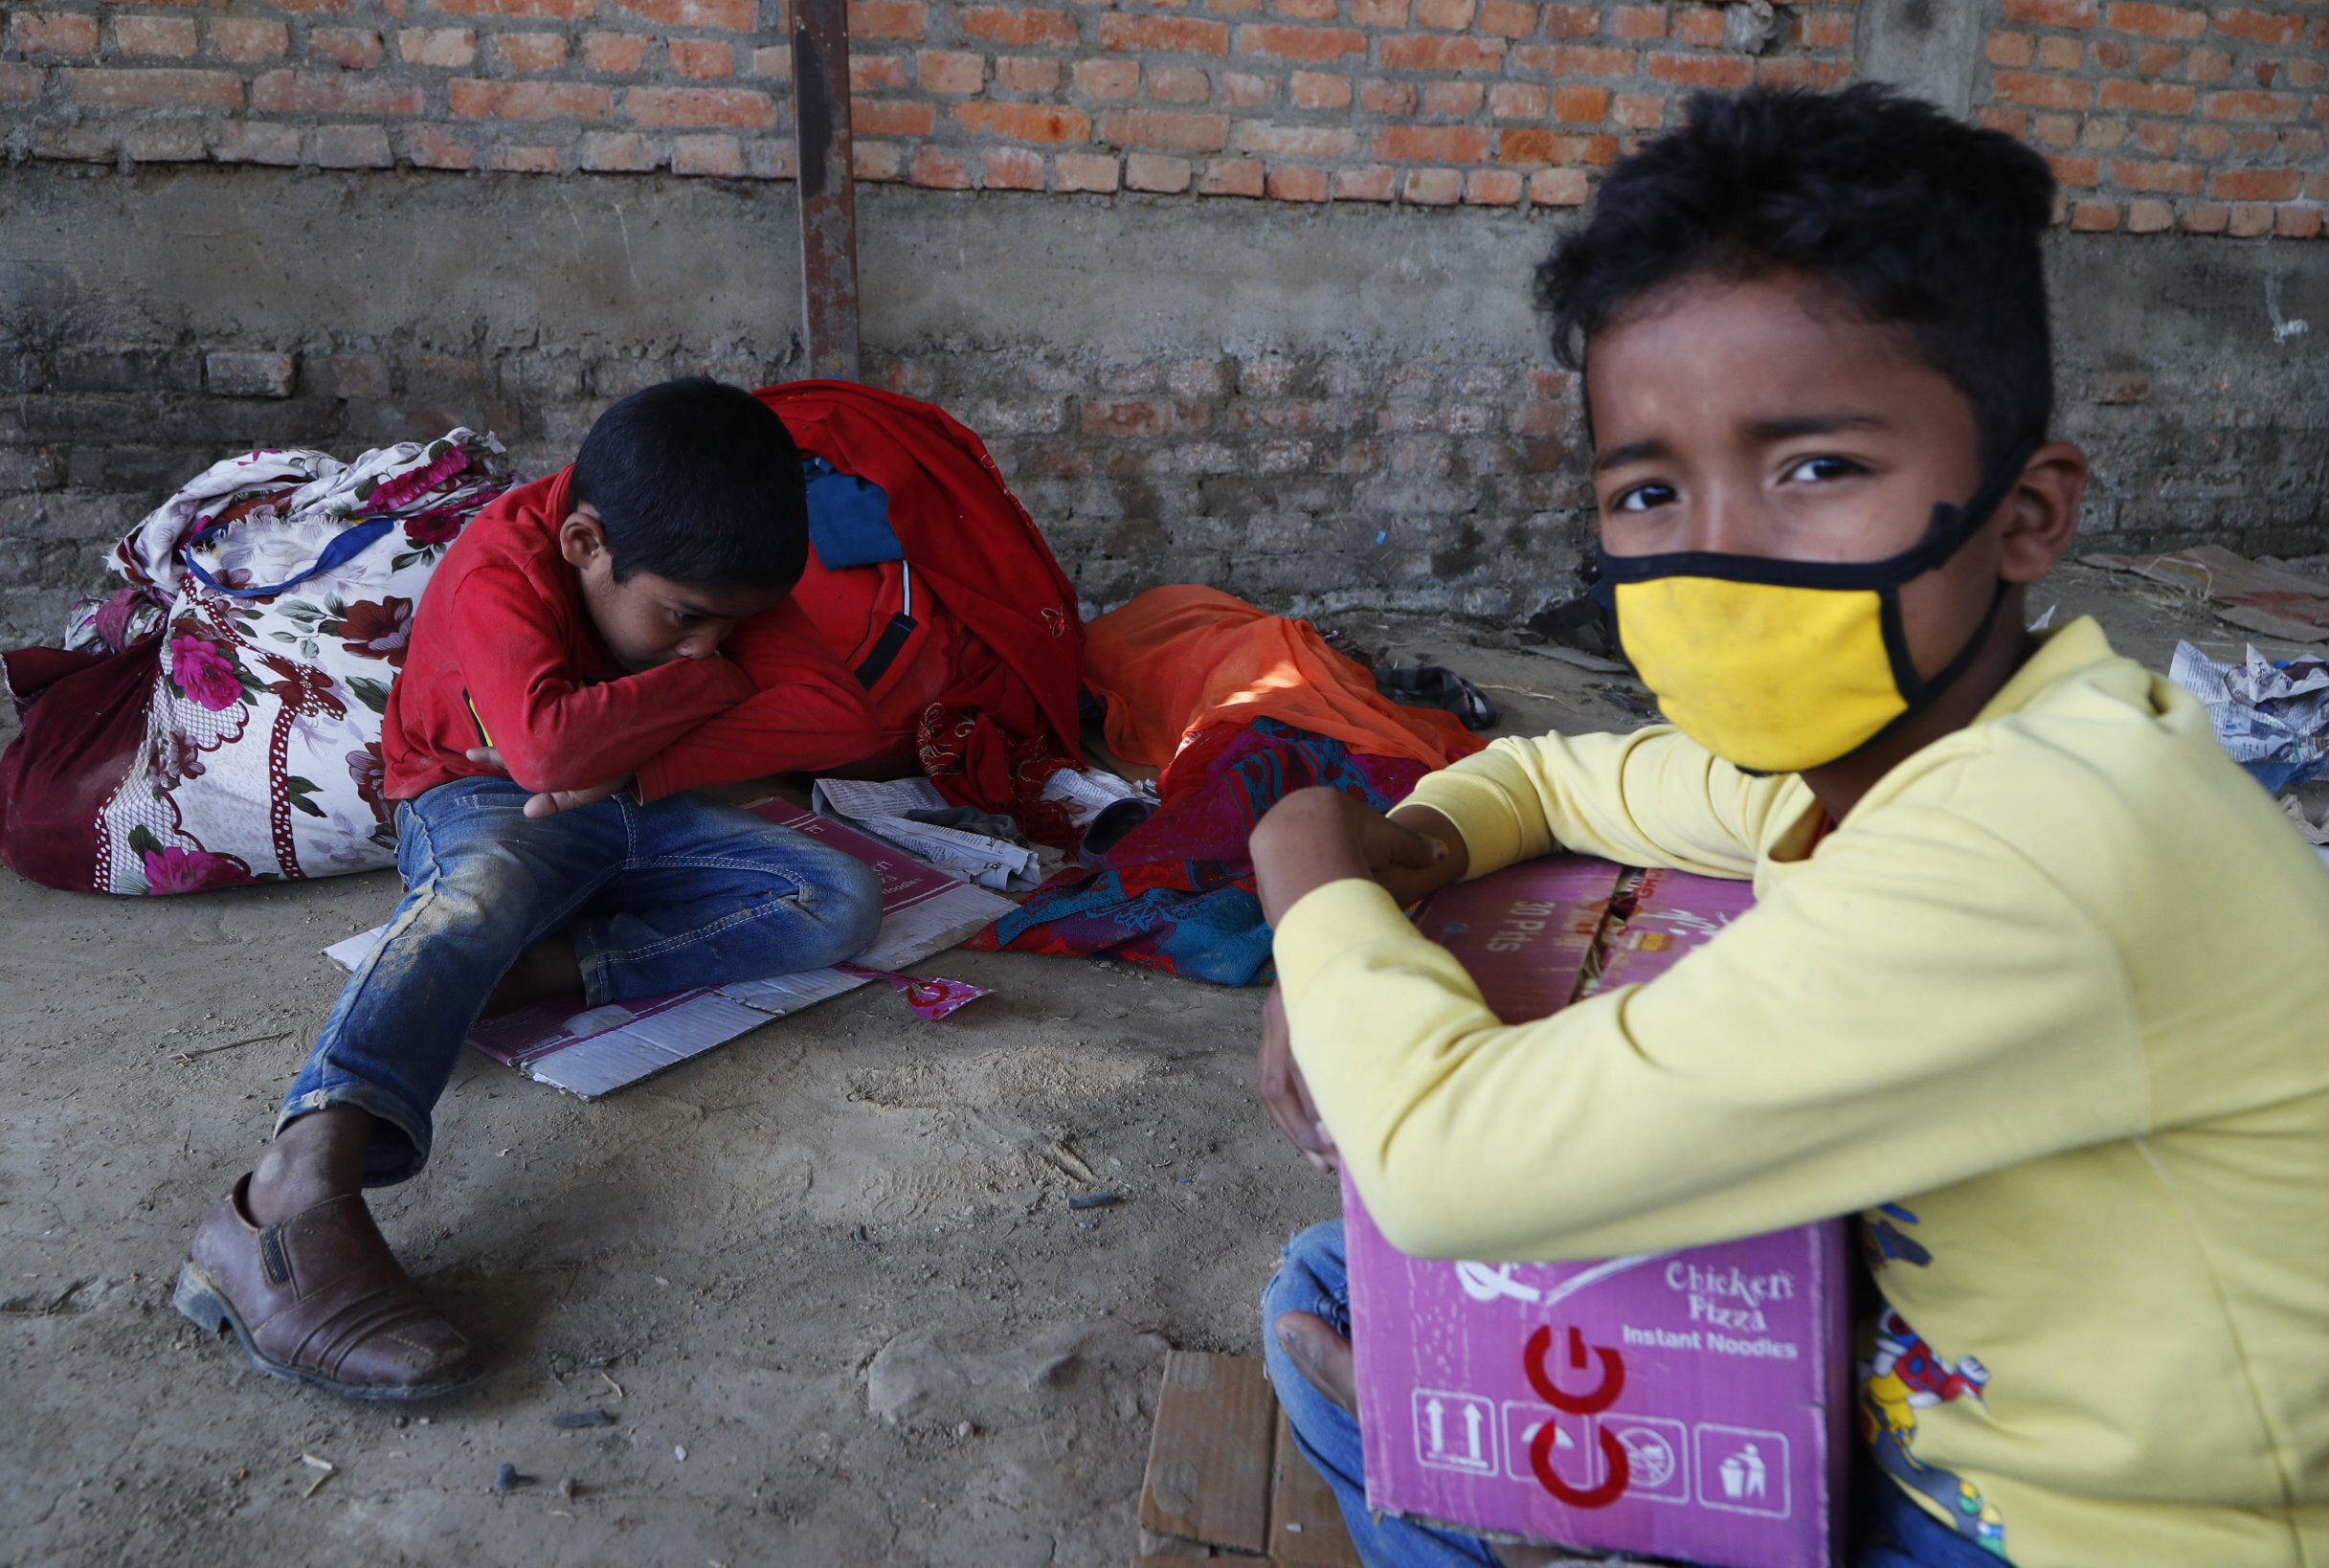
552,731
1653,797
807,714
1878,1027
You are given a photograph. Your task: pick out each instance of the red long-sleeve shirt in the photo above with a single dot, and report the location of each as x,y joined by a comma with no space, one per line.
502,630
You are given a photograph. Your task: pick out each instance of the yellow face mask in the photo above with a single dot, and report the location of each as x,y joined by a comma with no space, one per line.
1779,667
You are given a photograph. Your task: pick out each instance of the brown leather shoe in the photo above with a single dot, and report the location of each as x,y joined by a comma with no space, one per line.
321,1299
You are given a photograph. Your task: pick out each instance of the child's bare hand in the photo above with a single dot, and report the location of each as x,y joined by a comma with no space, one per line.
549,802
1317,836
1283,1094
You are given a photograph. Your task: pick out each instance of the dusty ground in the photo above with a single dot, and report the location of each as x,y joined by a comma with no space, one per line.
825,1278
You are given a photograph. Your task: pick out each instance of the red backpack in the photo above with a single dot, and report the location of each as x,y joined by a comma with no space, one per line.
969,647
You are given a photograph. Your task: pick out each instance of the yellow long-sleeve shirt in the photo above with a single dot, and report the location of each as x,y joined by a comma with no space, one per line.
2050,1006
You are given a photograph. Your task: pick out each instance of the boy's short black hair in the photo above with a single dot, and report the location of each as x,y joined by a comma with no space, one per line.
698,483
1914,216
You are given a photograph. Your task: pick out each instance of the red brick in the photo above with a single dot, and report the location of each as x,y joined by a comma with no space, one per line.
712,157
1370,182
1319,90
55,33
1453,100
526,160
1036,123
428,146
2155,21
1244,90
704,59
2052,13
2104,133
617,153
1154,172
2297,222
2207,65
775,62
21,83
1169,35
1519,100
2156,59
439,46
2176,179
1180,84
1014,168
2255,185
1146,417
1326,142
1382,14
2060,55
2254,106
1300,11
1635,112
1108,78
2039,92
240,38
475,99
617,53
2148,97
2149,218
1433,187
306,6
1301,43
2111,54
173,37
149,89
2056,130
2084,173
1491,187
1558,188
1293,183
2260,27
565,9
1231,177
531,50
1569,60
2094,217
950,72
1823,30
867,116
1572,21
1166,130
741,107
1086,171
1581,105
1549,147
2249,219
906,19
1726,71
877,161
1700,25
1508,18
1029,28
1440,51
1387,97
935,170
1638,22
1433,144
1449,16
1026,73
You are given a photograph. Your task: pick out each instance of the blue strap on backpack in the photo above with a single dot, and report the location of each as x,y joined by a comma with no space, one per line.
345,547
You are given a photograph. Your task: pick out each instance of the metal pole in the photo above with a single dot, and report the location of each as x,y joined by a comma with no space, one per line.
828,195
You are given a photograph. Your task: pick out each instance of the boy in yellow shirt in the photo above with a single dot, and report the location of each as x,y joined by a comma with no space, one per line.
2035,982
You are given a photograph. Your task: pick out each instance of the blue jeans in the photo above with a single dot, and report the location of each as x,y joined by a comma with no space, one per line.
664,897
1890,1531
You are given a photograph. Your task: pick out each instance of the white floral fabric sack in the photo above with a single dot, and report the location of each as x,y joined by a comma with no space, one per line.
283,586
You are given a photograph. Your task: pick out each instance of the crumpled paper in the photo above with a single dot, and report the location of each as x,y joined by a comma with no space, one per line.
927,995
2272,718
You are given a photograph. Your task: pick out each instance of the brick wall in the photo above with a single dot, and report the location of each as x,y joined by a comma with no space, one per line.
2211,119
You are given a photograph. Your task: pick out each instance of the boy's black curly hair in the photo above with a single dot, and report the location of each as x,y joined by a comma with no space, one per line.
698,483
1912,216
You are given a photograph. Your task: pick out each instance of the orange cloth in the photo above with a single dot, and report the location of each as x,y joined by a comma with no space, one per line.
1179,659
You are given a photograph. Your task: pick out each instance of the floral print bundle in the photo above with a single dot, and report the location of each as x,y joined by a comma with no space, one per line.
281,586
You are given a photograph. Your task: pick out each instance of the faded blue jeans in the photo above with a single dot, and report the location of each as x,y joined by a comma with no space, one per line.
679,893
1889,1529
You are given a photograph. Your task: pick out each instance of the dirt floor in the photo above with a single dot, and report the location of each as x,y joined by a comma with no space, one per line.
824,1279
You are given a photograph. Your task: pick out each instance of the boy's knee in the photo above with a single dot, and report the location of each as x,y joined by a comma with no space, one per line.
845,896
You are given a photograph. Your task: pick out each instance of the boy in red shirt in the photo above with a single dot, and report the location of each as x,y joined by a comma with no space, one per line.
594,646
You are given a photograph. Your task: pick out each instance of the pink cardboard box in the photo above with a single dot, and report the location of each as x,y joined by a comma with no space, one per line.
1680,1404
